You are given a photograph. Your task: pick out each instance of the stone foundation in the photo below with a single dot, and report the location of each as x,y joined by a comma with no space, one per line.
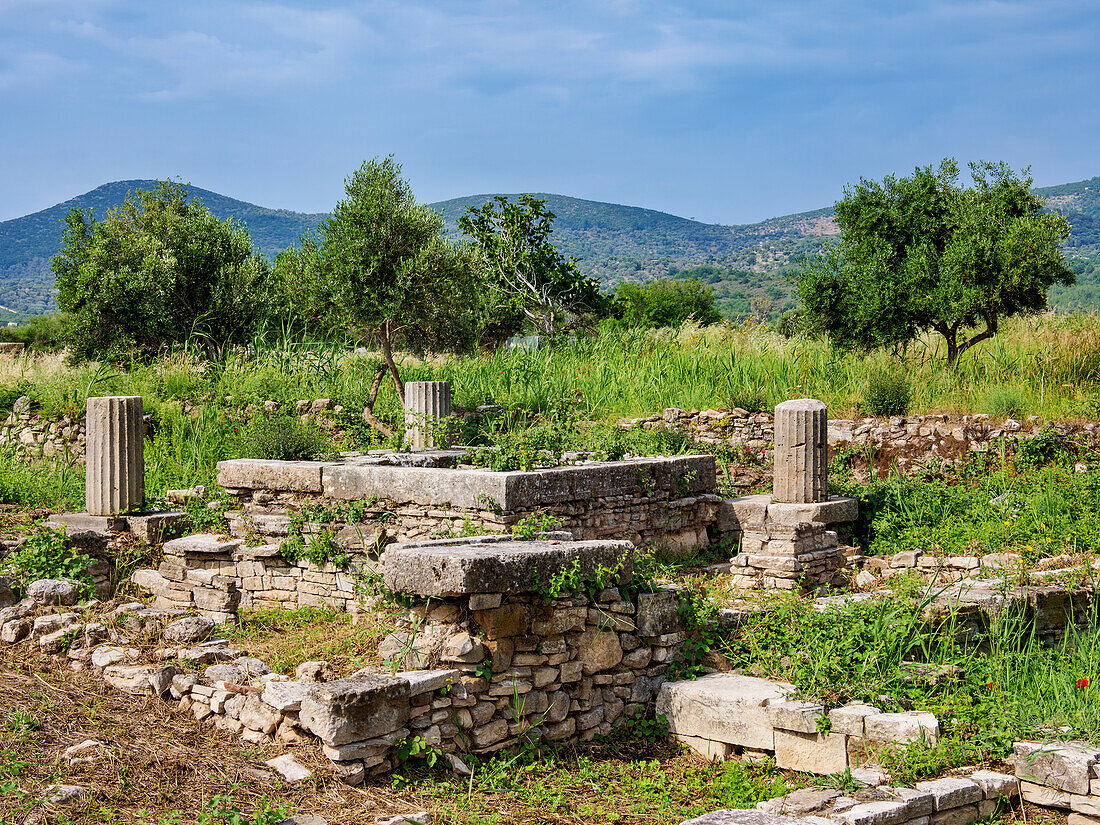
664,501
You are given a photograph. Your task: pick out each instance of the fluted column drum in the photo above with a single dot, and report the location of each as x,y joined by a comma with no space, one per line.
114,455
427,403
801,451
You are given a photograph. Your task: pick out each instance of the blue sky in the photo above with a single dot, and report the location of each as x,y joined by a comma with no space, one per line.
728,112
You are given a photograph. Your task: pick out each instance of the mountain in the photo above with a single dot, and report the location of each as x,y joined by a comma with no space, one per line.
27,243
747,265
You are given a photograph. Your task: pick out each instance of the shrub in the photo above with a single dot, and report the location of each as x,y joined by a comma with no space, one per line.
282,438
1004,402
889,392
44,556
789,323
41,333
753,399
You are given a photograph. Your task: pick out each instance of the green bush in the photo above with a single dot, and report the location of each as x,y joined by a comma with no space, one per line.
789,323
1004,402
44,556
753,399
40,333
889,392
283,438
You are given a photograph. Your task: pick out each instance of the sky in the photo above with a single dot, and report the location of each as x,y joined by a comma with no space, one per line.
726,112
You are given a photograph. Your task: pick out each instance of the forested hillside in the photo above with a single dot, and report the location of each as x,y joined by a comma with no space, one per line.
747,265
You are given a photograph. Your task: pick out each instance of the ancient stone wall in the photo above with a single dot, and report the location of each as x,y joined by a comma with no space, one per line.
667,501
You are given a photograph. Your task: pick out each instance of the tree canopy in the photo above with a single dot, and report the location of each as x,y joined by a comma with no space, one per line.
666,302
157,271
526,272
923,253
382,269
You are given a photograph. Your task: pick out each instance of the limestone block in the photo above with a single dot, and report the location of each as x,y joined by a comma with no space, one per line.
707,748
951,792
811,752
1087,805
189,630
262,474
832,510
742,515
874,813
1042,795
1065,766
427,404
962,815
132,679
290,769
659,613
996,785
801,447
356,708
54,591
799,803
795,715
848,719
598,650
902,727
494,564
723,707
114,455
1082,819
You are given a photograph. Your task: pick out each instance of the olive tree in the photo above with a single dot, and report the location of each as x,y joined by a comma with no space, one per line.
525,272
923,253
381,269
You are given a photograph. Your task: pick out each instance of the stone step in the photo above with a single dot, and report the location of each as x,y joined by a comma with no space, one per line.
201,544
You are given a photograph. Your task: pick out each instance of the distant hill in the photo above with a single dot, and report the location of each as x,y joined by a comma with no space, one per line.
27,243
747,265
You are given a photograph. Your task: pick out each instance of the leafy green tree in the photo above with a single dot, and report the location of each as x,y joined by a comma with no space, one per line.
382,269
159,270
526,272
922,253
666,302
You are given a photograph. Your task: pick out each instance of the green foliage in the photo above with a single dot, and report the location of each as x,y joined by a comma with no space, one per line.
1004,402
39,333
889,392
44,555
750,399
56,484
282,438
410,748
1046,447
158,271
922,253
528,527
223,809
526,272
666,303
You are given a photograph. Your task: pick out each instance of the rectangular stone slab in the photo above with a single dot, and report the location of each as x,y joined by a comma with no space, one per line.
258,474
723,707
356,708
495,564
352,480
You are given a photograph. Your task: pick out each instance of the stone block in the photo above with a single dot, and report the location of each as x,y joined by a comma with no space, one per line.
201,544
833,510
735,816
811,752
1044,796
742,515
795,715
494,564
356,708
723,707
707,748
951,792
874,813
502,622
996,785
962,815
902,727
659,613
848,719
1082,819
1065,766
1087,805
262,474
598,650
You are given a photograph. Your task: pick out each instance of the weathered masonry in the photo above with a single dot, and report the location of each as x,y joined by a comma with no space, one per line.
666,500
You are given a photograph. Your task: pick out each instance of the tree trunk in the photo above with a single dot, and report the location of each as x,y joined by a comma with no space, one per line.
387,355
368,409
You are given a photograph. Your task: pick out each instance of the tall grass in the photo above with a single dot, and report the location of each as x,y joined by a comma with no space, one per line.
1049,365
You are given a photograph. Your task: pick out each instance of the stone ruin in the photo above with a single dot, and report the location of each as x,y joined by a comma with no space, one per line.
500,644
